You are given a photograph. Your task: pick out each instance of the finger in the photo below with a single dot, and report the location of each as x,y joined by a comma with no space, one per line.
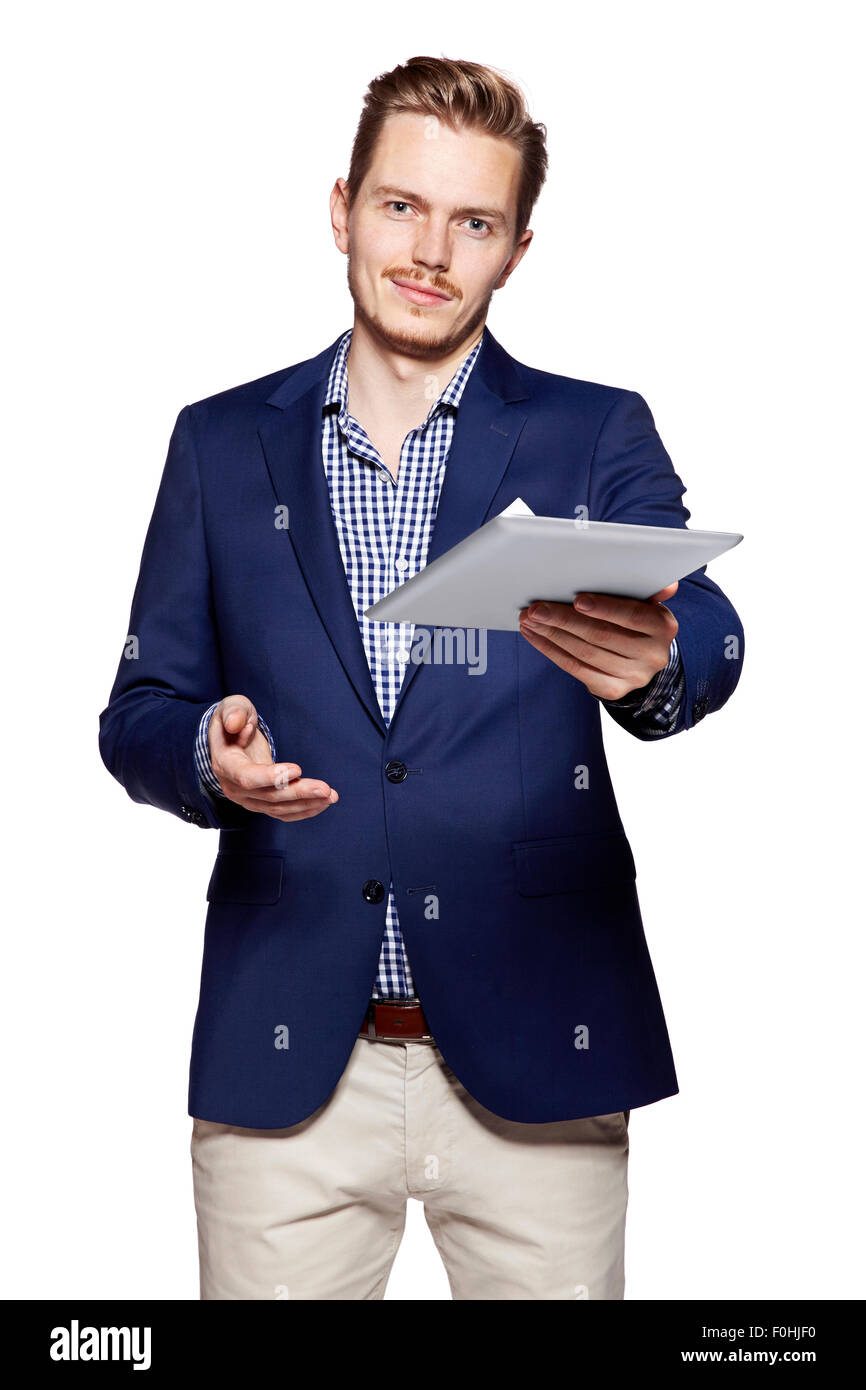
631,672
302,811
606,636
636,615
288,810
288,817
599,683
602,658
266,782
305,789
233,767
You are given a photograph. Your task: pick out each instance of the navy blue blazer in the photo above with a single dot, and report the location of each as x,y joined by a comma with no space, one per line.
514,878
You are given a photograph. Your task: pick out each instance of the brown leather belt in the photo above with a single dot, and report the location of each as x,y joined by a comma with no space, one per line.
392,1020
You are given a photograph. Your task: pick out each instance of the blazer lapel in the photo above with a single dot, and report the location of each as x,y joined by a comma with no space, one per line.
291,436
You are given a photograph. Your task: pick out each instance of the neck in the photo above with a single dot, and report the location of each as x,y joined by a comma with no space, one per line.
385,383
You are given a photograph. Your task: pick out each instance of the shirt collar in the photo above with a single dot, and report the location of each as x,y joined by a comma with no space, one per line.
338,382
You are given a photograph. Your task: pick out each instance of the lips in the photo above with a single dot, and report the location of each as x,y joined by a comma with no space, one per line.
418,294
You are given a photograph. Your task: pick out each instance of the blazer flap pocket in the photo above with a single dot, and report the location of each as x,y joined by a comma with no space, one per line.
572,863
245,878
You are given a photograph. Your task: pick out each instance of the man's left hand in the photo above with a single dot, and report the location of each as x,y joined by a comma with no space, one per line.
615,646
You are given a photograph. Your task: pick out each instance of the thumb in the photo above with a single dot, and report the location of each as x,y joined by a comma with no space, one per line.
239,720
664,593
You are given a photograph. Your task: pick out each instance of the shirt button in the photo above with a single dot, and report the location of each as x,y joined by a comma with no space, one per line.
402,564
402,656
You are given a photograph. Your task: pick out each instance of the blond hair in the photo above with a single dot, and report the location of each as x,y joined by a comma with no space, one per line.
459,94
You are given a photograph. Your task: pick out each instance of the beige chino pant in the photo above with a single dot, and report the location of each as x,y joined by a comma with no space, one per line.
316,1211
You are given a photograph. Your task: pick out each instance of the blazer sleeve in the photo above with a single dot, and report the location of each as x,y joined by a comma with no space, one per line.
632,480
170,669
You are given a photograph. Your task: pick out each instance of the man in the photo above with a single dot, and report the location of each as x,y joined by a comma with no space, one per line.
425,971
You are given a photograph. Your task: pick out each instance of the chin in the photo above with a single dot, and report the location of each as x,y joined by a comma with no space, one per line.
412,335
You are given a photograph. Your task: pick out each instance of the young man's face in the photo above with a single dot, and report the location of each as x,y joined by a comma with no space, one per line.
436,210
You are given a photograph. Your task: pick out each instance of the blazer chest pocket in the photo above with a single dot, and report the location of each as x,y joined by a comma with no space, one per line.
246,878
572,863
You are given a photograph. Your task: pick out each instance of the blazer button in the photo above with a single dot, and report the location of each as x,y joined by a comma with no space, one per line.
396,772
373,890
699,709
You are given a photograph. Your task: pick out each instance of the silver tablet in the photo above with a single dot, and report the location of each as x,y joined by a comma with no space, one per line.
485,580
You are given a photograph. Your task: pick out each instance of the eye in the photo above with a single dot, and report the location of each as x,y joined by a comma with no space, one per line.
479,221
396,203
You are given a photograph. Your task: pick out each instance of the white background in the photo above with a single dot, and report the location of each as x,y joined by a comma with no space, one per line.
699,240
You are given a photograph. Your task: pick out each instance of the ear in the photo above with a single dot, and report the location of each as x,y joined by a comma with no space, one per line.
515,258
339,204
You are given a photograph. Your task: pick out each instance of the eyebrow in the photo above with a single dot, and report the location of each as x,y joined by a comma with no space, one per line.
404,196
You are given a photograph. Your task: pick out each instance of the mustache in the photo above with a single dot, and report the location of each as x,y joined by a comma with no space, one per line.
438,282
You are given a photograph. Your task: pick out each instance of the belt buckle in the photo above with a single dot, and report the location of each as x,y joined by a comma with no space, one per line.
388,1037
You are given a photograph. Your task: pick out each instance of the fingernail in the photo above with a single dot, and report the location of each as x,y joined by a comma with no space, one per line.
585,602
539,610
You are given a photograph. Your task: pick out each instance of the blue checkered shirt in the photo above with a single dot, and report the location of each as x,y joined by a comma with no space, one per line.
384,526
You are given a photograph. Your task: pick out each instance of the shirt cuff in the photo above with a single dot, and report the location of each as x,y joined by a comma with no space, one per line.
207,779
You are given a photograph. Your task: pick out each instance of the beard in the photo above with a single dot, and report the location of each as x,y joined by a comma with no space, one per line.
425,343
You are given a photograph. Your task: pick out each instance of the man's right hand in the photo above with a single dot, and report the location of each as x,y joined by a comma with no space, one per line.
241,759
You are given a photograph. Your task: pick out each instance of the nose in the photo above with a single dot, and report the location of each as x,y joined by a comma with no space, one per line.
432,248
